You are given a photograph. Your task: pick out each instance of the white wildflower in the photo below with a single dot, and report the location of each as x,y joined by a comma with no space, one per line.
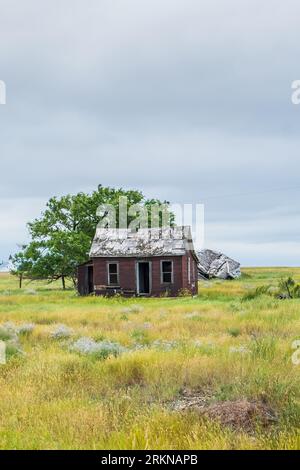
61,331
240,349
30,292
101,349
25,328
192,315
137,309
164,345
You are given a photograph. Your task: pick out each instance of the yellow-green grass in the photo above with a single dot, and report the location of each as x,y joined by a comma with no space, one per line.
52,398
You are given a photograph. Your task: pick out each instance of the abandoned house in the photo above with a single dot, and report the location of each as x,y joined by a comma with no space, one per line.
146,262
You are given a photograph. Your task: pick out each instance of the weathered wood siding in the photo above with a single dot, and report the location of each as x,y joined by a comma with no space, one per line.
192,286
127,276
83,278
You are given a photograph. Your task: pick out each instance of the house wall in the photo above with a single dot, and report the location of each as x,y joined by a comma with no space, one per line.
83,278
192,286
127,275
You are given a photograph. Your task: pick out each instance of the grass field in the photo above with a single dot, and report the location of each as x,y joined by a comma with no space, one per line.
218,345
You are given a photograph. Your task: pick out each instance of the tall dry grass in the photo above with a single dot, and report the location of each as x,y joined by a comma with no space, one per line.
229,348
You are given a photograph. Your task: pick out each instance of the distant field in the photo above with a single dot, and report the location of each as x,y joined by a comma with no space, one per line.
218,349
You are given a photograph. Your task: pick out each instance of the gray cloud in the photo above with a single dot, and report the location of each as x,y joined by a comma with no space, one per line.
186,100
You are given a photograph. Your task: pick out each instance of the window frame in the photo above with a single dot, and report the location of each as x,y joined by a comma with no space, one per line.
189,270
109,263
166,272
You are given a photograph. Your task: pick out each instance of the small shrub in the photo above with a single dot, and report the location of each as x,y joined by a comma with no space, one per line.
12,349
30,292
8,331
9,326
124,317
254,293
140,336
192,315
288,288
11,331
25,328
99,350
184,293
126,310
132,309
8,334
99,337
234,332
6,292
137,309
5,335
239,349
251,295
164,345
236,306
165,293
61,331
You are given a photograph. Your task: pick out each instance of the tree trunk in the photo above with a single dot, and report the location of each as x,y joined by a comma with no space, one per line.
63,282
20,280
74,282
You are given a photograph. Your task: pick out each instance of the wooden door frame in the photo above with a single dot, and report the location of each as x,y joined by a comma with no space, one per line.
137,279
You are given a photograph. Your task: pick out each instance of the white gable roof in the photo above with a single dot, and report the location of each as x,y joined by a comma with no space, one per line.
175,241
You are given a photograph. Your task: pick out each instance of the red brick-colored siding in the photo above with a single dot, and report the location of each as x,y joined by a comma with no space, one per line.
83,278
127,275
193,284
126,272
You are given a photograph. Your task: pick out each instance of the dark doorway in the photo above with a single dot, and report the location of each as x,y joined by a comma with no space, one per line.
90,277
143,278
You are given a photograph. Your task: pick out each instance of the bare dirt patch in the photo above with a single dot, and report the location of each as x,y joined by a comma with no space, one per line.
192,400
241,414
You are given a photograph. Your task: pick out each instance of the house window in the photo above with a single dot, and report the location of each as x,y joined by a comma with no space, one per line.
113,274
166,272
189,270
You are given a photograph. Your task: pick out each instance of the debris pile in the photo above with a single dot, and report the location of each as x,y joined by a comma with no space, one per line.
214,264
240,414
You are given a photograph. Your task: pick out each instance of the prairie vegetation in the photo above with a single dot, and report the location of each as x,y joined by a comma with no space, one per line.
95,373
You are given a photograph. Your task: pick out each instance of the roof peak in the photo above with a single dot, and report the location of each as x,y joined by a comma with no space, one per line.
180,232
142,242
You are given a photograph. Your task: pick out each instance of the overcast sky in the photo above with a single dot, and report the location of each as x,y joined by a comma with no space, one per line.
187,100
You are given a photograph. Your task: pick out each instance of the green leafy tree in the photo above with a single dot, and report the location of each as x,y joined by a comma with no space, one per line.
61,237
22,263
